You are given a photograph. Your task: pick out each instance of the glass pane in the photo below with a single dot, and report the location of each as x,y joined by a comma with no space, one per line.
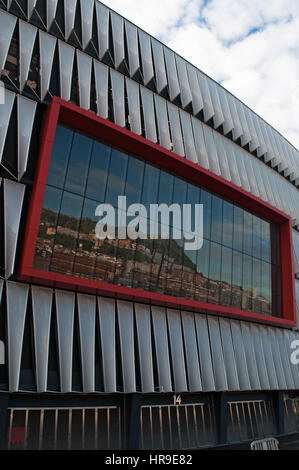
247,283
226,276
238,228
228,213
237,272
247,234
215,273
78,164
216,225
134,181
60,156
206,200
116,177
98,172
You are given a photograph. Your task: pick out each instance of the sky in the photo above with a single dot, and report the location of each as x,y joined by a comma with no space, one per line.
251,47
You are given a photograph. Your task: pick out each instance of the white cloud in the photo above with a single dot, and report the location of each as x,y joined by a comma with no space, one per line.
260,68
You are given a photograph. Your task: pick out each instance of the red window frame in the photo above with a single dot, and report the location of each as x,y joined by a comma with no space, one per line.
61,111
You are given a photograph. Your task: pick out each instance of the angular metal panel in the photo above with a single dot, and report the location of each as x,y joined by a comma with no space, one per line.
126,334
17,295
240,356
146,56
188,136
87,326
27,36
51,12
107,332
289,337
186,96
144,338
229,355
175,129
101,78
5,113
69,16
84,62
212,151
197,100
66,63
133,93
1,280
103,28
271,370
117,22
250,174
86,21
177,350
13,203
204,350
149,114
282,384
191,352
259,353
237,129
47,46
118,96
133,52
161,348
221,152
256,166
200,145
41,310
208,110
7,26
162,121
245,137
217,354
30,7
218,117
240,156
250,356
232,164
228,121
253,144
26,116
172,76
160,72
65,305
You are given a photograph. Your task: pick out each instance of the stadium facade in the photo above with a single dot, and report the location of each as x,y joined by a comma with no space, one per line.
138,343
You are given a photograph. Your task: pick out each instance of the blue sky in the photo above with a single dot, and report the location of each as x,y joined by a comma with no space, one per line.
250,46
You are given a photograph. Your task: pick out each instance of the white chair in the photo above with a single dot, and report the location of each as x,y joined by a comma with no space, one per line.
270,443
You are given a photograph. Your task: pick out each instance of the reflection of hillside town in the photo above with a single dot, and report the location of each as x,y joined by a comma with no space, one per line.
161,266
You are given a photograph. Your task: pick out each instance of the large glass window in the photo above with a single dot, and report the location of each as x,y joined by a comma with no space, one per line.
238,264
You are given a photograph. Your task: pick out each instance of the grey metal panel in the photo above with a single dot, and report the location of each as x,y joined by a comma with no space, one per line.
107,332
41,310
289,337
126,334
221,152
240,155
186,96
208,110
118,96
103,28
285,358
146,56
1,280
191,352
217,354
245,137
149,114
101,79
237,129
26,115
172,76
86,21
251,358
262,146
47,46
134,105
84,63
30,7
17,295
228,121
87,326
253,144
250,175
162,121
133,52
200,145
69,16
271,370
161,348
204,350
13,203
66,63
197,100
188,136
229,355
144,338
259,352
27,36
175,129
65,305
5,113
7,26
51,12
218,117
212,151
232,163
177,350
118,38
258,177
282,384
240,355
161,79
